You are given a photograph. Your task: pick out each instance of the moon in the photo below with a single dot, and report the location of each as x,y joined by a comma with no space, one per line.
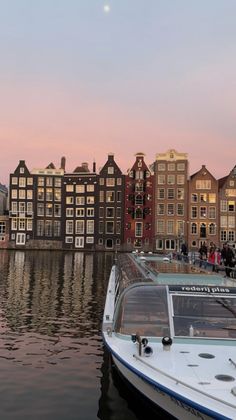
106,8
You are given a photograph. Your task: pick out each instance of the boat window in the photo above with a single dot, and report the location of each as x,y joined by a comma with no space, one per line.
204,316
144,310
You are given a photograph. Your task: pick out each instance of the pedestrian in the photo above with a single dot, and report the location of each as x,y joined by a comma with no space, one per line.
227,256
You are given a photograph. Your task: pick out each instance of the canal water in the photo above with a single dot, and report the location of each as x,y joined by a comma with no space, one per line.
53,363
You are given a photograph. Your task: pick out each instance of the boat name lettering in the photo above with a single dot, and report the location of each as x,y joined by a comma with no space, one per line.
203,289
187,408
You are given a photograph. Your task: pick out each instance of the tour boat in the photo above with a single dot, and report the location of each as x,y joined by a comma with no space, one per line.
170,328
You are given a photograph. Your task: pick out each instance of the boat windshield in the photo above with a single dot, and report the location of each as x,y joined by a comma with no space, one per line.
143,310
204,316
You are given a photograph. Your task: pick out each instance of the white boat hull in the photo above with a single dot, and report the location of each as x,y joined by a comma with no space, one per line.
167,402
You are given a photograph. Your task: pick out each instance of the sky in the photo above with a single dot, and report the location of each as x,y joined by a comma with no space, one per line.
80,81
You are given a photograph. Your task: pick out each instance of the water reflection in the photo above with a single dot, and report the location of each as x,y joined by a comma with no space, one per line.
52,360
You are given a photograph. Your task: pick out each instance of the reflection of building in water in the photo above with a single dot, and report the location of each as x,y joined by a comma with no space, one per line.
18,284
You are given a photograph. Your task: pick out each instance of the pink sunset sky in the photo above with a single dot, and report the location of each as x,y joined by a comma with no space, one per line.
79,82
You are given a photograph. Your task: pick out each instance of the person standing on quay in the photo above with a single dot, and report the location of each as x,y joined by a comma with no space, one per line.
227,256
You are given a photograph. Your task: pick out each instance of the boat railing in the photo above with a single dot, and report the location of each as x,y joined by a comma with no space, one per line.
177,382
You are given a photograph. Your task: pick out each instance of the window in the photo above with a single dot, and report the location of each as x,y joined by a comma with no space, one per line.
231,222
29,194
231,236
138,187
79,227
110,182
57,182
161,208
101,196
14,207
203,212
180,179
194,228
29,225
170,209
180,209
203,184
22,170
203,197
89,240
118,228
212,229
48,228
21,224
231,206
57,210
118,196
223,235
161,179
101,181
22,182
160,226
79,242
80,189
119,181
69,188
90,212
231,183
159,244
223,221
194,198
79,212
22,209
57,228
100,241
161,167
110,196
22,194
90,199
180,166
14,194
80,201
49,195
69,212
30,181
223,205
40,228
139,174
90,188
2,228
118,212
49,181
101,227
40,181
69,239
70,200
161,193
14,180
40,209
110,212
138,229
110,170
212,212
170,179
138,199
20,239
170,244
180,194
70,227
212,198
57,194
49,209
30,208
109,227
170,227
170,193
193,212
90,227
171,167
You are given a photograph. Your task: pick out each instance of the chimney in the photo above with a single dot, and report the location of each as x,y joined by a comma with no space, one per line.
94,167
85,165
63,163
